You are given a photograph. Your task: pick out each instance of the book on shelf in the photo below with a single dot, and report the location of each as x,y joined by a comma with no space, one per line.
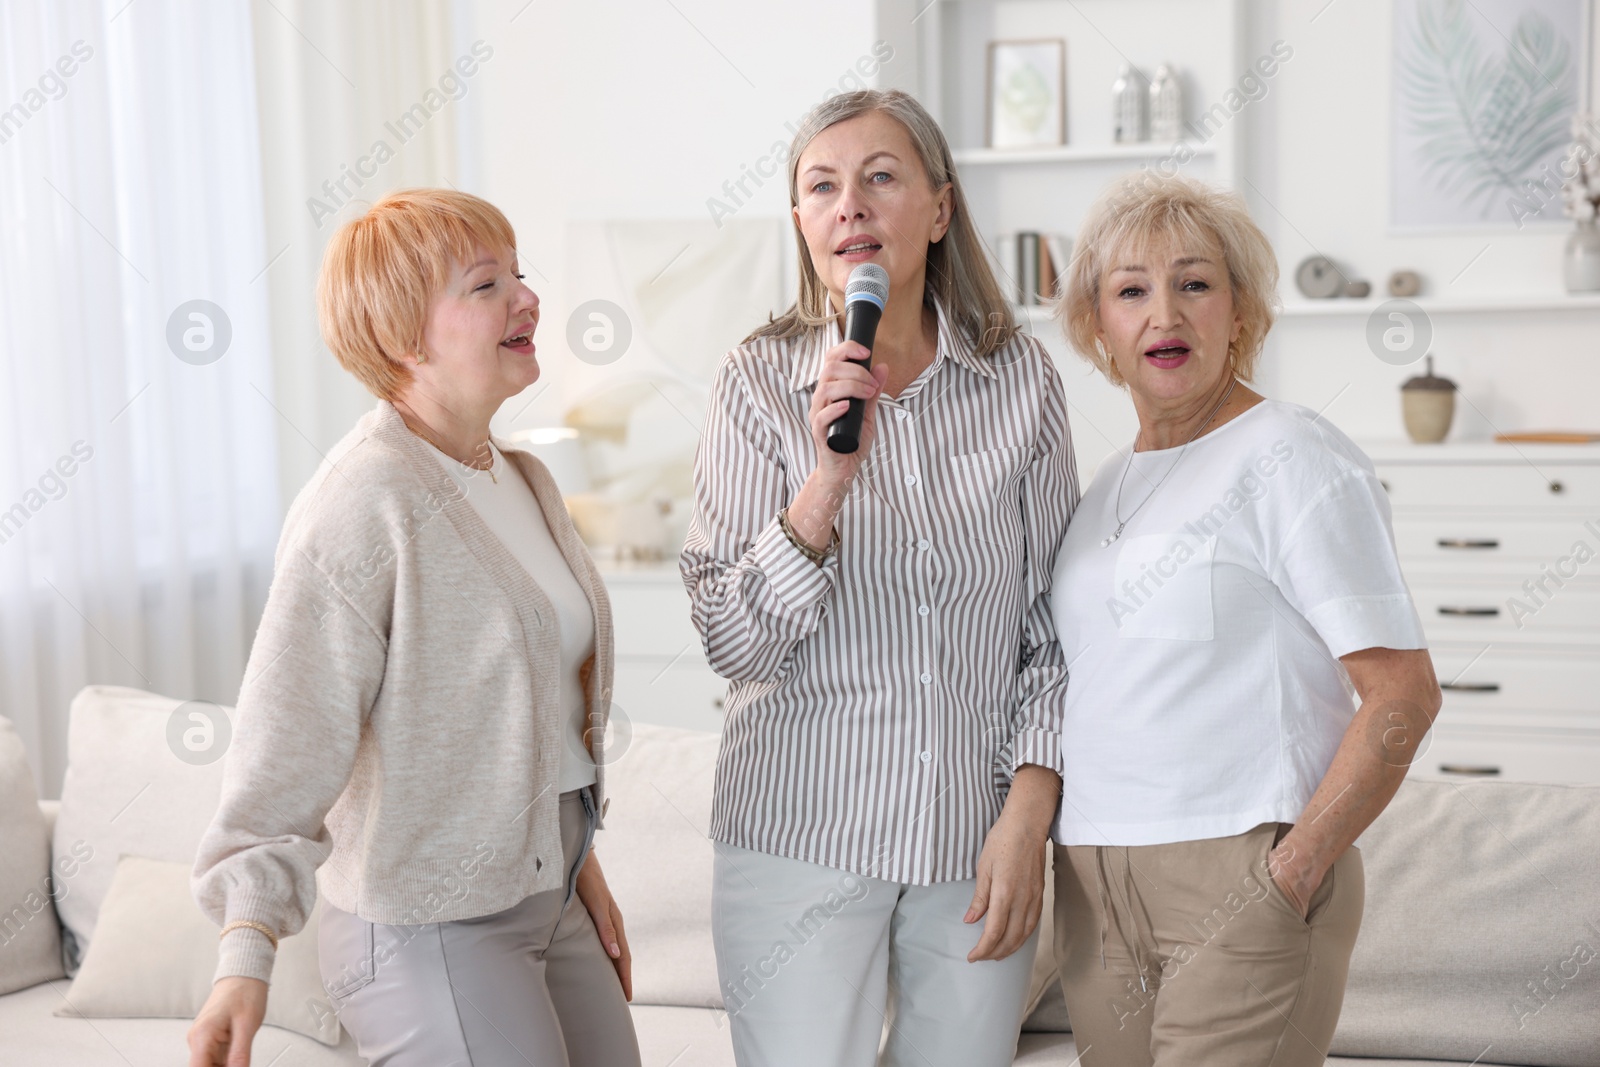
1030,266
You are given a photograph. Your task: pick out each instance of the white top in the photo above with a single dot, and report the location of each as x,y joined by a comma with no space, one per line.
505,502
1205,694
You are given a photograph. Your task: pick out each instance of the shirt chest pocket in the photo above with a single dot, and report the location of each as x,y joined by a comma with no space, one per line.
983,493
1162,588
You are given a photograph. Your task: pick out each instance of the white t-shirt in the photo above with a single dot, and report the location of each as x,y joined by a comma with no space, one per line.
1205,694
508,507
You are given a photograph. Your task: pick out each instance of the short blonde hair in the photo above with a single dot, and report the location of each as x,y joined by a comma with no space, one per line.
381,270
1141,209
958,273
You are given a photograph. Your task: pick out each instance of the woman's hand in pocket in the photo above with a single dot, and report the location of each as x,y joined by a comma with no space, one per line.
602,908
1295,876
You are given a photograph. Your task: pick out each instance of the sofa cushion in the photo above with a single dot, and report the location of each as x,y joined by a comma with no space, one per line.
1482,929
143,778
30,939
34,1036
154,954
657,860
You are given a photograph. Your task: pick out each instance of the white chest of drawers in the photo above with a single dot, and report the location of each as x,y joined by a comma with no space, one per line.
661,674
1501,547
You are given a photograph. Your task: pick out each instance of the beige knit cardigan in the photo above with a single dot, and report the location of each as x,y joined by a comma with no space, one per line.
397,738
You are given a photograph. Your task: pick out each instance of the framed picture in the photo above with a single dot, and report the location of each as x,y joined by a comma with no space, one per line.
1027,88
1483,99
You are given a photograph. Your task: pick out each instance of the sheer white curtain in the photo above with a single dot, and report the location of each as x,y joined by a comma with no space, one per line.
333,81
139,502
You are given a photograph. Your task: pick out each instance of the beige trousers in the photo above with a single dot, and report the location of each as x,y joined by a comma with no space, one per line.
1188,953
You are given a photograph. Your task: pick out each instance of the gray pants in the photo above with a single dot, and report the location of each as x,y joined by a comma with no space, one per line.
817,963
530,985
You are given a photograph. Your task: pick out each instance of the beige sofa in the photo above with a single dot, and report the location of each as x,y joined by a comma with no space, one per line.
1483,910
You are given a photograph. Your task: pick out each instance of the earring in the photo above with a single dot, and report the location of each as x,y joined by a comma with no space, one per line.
1101,349
421,359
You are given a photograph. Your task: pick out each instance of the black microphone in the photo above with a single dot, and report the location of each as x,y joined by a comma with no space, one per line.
864,297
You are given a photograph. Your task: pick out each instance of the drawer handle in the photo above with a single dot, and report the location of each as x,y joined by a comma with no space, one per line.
1446,609
1470,687
1468,542
1557,487
1477,771
716,702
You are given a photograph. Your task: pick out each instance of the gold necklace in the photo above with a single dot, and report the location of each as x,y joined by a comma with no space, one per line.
428,437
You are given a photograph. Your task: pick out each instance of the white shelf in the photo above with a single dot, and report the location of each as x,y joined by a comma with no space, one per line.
1073,154
1438,306
1477,452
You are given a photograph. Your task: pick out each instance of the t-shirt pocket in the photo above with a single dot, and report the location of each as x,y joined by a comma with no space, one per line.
1162,587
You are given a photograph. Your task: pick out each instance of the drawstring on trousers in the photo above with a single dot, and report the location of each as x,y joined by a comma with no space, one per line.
1109,913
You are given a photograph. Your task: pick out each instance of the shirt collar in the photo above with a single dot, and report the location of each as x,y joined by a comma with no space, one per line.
952,344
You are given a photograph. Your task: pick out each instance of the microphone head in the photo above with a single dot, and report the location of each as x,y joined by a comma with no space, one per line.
868,282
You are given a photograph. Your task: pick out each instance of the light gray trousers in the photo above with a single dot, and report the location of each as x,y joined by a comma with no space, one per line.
824,968
530,986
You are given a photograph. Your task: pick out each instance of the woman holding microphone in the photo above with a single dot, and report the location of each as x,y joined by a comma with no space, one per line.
888,770
419,728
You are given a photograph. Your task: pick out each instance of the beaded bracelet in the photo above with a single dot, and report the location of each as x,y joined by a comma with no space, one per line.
806,550
250,924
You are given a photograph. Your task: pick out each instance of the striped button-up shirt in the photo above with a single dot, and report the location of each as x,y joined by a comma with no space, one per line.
881,702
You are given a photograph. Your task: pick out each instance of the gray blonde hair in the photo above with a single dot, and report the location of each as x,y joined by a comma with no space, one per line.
1144,208
958,273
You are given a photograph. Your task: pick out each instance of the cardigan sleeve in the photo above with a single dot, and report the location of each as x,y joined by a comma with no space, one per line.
313,674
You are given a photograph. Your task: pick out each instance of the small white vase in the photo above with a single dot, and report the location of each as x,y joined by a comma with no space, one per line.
1581,265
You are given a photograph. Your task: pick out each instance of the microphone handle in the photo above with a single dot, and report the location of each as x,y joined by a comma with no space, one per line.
861,326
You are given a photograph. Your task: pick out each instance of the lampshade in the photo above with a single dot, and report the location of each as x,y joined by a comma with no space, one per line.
558,448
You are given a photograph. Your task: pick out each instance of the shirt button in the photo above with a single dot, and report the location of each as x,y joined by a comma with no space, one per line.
926,678
911,479
923,545
922,609
901,413
926,757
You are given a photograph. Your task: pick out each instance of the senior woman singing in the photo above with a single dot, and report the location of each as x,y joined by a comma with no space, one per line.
1223,589
888,772
414,732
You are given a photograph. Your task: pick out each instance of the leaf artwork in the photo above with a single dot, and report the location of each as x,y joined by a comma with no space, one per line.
1487,121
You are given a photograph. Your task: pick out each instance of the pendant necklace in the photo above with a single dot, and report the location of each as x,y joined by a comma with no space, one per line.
1122,523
